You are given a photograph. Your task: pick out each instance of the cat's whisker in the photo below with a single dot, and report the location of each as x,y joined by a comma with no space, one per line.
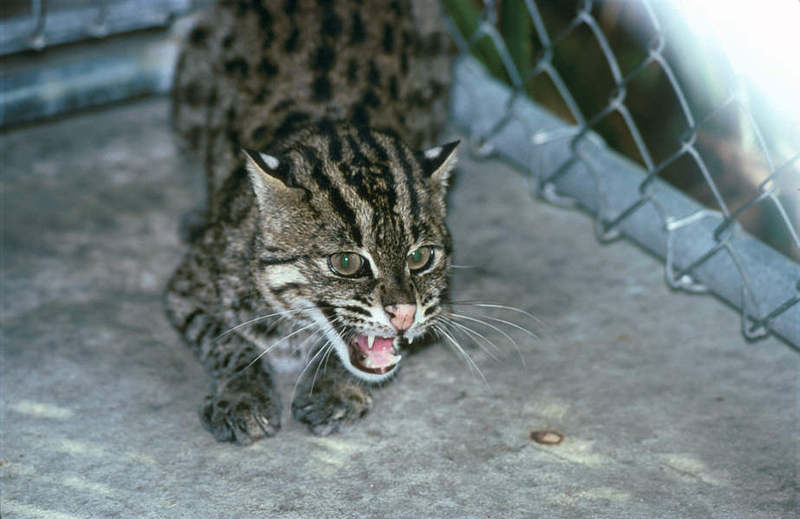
514,325
492,327
473,333
305,368
459,349
325,359
482,304
316,336
283,315
276,343
327,347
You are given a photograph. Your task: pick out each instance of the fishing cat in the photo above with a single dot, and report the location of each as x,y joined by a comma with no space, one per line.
324,238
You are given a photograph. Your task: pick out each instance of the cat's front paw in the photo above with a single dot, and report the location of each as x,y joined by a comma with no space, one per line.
330,405
243,411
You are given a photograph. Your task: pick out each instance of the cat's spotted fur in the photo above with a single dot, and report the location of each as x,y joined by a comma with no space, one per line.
336,98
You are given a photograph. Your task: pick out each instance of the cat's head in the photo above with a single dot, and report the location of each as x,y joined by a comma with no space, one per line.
353,239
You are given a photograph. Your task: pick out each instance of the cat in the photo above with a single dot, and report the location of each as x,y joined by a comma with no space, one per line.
323,245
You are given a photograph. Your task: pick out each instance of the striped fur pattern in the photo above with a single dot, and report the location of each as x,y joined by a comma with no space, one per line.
285,100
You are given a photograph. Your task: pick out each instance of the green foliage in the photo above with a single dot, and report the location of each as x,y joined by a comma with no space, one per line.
467,17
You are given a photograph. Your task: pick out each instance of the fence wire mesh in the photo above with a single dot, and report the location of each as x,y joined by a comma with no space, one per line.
762,304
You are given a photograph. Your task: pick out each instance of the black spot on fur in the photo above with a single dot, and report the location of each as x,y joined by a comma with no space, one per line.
371,99
187,321
260,328
192,93
393,87
233,185
290,7
198,36
322,88
194,135
352,71
388,38
227,41
434,46
406,39
237,66
291,122
323,58
233,138
259,134
331,24
360,115
267,67
373,75
269,37
264,16
291,42
357,34
242,7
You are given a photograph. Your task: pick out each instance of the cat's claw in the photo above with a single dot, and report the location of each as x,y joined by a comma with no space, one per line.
242,416
329,407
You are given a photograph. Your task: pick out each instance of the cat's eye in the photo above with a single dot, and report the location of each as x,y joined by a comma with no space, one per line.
347,264
419,259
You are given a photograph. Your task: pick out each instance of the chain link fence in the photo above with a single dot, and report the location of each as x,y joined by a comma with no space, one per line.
568,163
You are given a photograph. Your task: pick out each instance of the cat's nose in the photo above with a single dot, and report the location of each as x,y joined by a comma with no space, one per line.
401,316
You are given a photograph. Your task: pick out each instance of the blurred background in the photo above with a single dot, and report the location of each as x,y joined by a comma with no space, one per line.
735,62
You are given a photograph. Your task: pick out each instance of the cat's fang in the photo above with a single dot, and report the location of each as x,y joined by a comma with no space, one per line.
370,341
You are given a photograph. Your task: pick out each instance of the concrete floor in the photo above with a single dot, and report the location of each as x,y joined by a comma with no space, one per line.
666,411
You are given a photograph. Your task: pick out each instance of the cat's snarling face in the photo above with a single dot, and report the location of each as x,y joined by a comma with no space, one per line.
352,238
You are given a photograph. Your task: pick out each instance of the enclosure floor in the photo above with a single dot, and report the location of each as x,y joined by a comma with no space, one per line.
665,410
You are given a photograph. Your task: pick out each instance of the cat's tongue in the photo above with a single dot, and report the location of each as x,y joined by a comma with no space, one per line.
380,356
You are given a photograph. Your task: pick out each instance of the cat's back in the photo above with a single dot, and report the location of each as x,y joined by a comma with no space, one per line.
254,71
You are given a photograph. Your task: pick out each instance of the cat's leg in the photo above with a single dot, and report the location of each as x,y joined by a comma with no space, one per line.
244,405
329,397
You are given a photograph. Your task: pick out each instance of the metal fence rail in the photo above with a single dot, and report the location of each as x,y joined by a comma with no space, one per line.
43,27
66,55
703,249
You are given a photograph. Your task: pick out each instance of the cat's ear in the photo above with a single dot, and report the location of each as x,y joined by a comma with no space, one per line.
268,176
438,162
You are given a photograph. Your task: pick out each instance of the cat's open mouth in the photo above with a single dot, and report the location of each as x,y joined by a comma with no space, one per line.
375,355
